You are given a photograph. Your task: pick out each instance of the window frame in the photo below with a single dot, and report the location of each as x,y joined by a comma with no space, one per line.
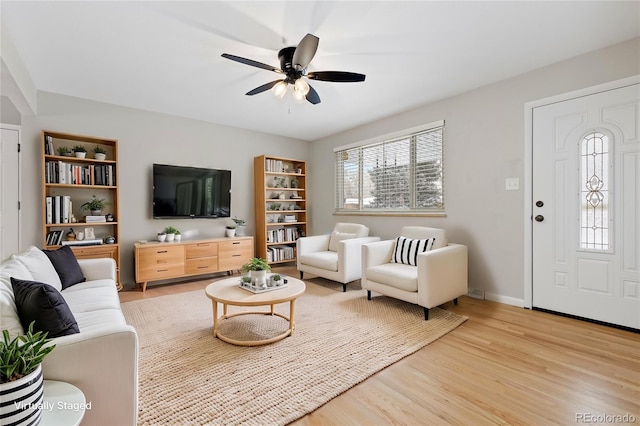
410,134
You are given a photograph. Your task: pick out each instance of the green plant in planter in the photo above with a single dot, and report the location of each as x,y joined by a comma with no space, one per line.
246,279
256,264
276,277
94,204
79,148
171,230
239,222
64,151
99,150
22,355
231,227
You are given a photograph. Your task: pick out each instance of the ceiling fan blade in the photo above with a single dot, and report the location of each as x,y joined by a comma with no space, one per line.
313,96
305,52
251,62
263,88
336,76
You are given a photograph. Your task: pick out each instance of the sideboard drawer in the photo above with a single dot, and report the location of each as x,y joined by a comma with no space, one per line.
155,255
202,265
203,249
160,271
234,254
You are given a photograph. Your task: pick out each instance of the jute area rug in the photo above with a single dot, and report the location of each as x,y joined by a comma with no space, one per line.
186,376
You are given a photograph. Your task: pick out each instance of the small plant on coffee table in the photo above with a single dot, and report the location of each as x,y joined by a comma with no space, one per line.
256,264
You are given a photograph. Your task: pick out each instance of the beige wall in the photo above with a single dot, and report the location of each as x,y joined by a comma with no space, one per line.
484,133
9,114
484,146
146,138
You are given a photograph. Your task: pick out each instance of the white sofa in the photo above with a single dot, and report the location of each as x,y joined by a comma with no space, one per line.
102,359
334,256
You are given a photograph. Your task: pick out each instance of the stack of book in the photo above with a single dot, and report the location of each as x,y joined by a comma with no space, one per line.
95,219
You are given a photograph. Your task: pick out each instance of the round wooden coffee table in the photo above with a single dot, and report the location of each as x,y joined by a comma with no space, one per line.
229,292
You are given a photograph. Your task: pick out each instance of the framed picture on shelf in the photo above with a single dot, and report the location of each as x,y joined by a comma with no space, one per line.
88,234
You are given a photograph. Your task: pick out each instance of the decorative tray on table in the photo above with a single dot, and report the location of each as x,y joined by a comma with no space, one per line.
269,286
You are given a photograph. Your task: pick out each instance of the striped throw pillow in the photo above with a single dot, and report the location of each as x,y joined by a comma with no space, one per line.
407,250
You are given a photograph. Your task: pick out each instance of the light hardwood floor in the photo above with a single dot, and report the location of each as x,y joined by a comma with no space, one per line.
504,365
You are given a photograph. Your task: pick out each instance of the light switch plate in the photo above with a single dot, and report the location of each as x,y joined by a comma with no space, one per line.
512,184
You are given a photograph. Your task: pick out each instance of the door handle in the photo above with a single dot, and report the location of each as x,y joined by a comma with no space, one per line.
539,218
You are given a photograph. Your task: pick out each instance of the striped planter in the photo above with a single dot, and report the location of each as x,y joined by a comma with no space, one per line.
21,401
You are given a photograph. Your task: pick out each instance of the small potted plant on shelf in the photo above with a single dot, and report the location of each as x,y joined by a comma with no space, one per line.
162,236
64,151
240,225
80,151
178,236
95,205
258,268
21,371
171,233
230,231
99,153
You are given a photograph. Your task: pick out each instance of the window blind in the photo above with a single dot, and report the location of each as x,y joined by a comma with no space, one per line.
404,174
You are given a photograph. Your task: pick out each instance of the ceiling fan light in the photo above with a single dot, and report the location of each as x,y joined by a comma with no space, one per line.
301,86
298,96
280,89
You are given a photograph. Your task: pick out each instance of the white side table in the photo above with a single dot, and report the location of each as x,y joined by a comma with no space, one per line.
64,404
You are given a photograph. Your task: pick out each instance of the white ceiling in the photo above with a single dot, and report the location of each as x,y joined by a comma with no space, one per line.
165,56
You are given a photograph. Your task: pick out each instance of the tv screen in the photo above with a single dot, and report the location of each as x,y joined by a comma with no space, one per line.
190,192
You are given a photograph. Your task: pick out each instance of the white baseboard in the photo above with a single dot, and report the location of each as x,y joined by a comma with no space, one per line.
504,299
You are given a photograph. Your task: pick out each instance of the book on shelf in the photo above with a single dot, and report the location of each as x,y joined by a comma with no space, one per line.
54,238
280,253
48,145
93,242
49,201
58,209
95,219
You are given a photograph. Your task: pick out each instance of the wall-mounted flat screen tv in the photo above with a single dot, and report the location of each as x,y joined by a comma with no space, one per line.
184,192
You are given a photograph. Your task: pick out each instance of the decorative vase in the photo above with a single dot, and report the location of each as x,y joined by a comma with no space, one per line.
171,237
99,156
162,237
96,212
240,229
230,232
80,154
259,278
22,399
178,237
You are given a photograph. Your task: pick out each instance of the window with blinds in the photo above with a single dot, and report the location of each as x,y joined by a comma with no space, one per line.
403,174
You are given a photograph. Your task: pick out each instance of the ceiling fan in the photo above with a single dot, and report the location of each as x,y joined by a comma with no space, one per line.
293,64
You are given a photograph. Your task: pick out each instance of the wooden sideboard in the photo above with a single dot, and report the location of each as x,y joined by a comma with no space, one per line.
156,261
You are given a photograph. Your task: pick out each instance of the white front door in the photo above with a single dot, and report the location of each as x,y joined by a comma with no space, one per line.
586,207
9,191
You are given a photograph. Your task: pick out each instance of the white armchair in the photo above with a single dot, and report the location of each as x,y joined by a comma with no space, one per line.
439,274
336,256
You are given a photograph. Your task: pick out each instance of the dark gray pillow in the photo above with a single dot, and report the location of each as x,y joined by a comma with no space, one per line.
66,265
42,303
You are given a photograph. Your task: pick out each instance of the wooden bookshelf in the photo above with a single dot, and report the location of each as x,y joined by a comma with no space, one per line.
280,219
69,182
